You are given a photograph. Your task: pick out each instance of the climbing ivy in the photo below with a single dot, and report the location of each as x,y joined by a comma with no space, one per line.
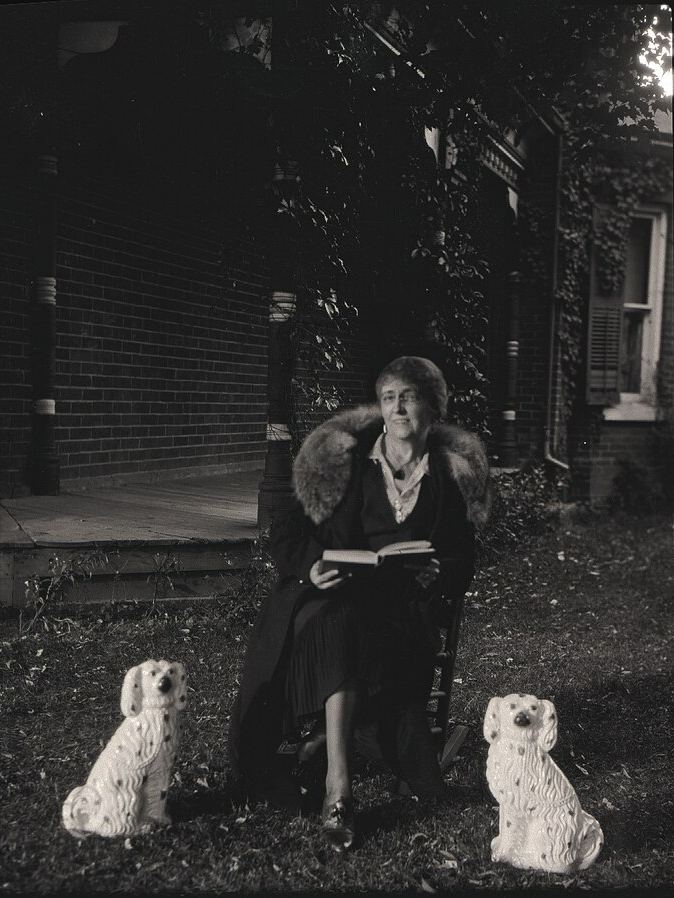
623,186
386,238
599,195
388,233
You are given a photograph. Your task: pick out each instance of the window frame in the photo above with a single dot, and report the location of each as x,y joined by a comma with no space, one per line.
642,406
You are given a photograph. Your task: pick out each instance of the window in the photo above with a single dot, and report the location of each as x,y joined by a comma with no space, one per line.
624,339
641,317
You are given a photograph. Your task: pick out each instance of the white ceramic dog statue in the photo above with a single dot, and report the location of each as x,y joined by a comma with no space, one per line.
541,823
125,793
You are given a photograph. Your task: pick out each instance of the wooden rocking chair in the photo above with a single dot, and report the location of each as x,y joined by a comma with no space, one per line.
448,744
439,699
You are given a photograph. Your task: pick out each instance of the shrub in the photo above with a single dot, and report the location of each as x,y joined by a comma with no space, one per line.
643,487
524,505
253,584
43,592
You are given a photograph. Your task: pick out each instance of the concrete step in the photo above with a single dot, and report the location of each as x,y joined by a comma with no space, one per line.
170,539
123,573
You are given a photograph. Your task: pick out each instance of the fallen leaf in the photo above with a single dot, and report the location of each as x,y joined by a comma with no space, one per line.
607,804
426,886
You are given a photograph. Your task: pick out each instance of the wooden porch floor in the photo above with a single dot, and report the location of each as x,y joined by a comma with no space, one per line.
201,529
206,509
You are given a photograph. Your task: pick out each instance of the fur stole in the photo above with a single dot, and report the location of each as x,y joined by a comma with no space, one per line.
322,467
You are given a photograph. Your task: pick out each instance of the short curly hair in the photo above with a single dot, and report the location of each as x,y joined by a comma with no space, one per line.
424,374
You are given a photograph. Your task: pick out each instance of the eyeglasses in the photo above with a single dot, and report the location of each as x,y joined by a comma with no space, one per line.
405,395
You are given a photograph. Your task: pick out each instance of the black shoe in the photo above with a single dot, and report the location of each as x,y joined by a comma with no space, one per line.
338,824
310,776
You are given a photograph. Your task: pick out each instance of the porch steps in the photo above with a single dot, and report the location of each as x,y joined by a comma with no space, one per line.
191,538
118,573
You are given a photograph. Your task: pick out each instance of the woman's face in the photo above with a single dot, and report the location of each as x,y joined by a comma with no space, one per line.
407,415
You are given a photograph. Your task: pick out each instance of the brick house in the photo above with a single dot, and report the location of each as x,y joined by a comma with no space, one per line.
159,332
135,302
135,314
628,388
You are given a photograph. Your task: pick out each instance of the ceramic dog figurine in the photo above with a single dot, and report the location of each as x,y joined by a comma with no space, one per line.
125,793
541,823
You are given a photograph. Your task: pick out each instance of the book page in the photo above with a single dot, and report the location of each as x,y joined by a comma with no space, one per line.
352,556
404,548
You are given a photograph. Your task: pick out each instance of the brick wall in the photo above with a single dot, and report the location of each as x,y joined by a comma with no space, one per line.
536,224
15,376
596,445
162,340
355,382
498,245
618,440
666,366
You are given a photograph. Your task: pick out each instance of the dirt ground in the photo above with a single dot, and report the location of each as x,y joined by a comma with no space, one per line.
580,614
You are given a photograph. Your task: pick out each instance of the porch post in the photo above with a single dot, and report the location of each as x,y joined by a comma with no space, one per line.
508,453
44,462
275,492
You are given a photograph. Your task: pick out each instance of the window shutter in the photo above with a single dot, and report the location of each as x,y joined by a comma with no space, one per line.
605,320
603,357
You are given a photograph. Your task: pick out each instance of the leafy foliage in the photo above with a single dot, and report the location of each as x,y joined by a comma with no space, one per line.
244,592
592,632
619,182
383,238
43,593
646,486
166,566
525,503
379,226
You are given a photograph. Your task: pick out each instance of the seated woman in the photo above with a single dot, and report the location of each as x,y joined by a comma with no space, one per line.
327,650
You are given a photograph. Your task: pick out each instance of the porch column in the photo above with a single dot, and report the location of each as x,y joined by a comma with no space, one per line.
275,492
44,462
509,456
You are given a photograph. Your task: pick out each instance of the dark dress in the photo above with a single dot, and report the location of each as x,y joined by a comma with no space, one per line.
384,632
366,630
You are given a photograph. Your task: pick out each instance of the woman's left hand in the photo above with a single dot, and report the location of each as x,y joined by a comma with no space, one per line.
428,573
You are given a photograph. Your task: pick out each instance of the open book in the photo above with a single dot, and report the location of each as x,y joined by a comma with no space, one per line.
351,560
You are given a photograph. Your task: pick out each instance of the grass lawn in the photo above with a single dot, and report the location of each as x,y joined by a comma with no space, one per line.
581,614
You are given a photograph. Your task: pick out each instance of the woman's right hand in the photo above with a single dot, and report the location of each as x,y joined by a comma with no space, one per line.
327,579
